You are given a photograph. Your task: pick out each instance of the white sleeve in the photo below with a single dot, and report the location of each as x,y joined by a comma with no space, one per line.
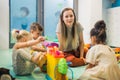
58,29
90,57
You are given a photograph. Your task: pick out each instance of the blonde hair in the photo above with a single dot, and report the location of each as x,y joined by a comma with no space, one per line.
18,34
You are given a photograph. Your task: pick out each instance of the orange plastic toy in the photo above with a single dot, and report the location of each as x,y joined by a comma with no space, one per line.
86,48
117,50
117,53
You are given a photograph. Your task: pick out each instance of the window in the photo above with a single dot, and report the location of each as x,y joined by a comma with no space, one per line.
22,14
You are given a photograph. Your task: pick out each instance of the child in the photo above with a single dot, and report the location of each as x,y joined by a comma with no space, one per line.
23,61
36,31
102,63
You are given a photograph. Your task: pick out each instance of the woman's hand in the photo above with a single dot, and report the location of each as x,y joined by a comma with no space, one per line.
83,59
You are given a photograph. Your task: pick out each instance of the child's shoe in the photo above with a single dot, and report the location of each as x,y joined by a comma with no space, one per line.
35,57
44,68
42,60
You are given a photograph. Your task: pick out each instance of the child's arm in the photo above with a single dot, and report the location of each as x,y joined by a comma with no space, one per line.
36,48
28,43
89,66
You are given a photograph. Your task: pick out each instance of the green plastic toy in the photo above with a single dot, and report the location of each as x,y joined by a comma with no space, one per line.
62,66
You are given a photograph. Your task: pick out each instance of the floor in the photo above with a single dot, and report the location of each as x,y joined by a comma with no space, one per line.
6,62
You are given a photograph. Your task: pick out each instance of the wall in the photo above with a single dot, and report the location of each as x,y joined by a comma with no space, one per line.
93,10
84,15
113,18
116,3
106,4
89,12
114,25
4,24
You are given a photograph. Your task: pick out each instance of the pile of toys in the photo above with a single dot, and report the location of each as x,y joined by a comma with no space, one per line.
87,46
55,70
117,53
56,64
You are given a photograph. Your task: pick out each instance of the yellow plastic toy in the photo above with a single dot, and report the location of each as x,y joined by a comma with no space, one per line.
53,57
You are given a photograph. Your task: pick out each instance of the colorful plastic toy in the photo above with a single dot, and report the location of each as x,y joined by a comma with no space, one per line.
117,53
53,57
62,66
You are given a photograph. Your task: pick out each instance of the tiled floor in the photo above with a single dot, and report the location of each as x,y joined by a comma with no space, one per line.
6,61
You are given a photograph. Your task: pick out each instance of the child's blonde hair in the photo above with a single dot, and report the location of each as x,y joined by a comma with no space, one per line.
18,34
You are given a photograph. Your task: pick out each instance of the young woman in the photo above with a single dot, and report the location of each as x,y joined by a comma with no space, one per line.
70,35
102,63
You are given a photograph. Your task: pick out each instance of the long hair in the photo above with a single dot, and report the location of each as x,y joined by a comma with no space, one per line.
64,33
99,31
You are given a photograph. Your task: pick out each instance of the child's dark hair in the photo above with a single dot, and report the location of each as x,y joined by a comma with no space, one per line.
99,31
36,26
